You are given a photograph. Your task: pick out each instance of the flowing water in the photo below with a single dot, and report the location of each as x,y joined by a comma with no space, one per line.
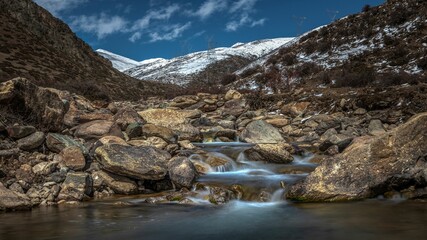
251,217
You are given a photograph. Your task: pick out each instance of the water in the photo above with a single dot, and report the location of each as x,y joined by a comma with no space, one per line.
251,217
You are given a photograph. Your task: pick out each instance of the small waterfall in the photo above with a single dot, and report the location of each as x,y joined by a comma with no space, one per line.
278,195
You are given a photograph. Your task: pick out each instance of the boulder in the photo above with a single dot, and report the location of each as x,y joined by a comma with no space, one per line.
97,129
219,196
376,127
76,187
17,132
134,130
73,158
273,153
182,172
371,166
151,130
57,142
176,120
234,107
119,184
295,109
261,132
124,117
10,200
135,162
184,101
44,168
32,141
232,94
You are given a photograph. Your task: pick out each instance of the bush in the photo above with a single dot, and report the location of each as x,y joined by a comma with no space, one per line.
289,59
228,78
355,75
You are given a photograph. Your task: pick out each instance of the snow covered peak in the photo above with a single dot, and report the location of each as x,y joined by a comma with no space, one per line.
119,62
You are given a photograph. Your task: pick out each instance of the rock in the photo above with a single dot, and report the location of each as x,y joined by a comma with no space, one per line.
182,172
89,117
135,162
370,166
234,107
295,109
261,132
119,184
273,153
184,101
151,130
376,127
32,141
17,132
176,120
226,124
232,94
151,142
186,144
9,152
219,196
44,168
57,142
10,200
308,137
278,122
112,140
73,158
360,111
124,117
96,129
76,187
134,130
16,187
44,105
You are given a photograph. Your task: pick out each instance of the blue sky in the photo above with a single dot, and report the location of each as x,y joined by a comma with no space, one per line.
146,29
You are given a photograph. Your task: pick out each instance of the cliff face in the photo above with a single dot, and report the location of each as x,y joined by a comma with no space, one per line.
40,47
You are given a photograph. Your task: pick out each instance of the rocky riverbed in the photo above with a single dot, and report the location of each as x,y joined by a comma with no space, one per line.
58,148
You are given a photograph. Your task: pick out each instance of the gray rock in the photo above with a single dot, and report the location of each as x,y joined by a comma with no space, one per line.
135,162
10,200
32,141
57,142
376,127
119,184
273,153
134,130
261,132
76,187
17,132
182,172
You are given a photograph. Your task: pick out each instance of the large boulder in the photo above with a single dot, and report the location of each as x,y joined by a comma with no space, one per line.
151,130
273,153
10,200
371,166
177,120
261,132
76,187
134,162
182,172
45,106
97,129
119,184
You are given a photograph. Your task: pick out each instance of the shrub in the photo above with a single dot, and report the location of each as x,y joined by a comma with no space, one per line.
355,75
289,59
228,78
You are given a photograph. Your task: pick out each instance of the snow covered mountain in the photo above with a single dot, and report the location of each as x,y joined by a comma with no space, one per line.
119,62
183,69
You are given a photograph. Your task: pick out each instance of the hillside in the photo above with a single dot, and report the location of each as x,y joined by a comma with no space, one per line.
381,46
195,66
42,48
119,62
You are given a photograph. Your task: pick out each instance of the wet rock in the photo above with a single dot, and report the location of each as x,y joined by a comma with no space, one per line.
182,172
370,166
10,200
273,153
176,120
57,142
73,158
261,132
17,132
76,187
232,94
119,184
32,141
135,162
219,196
376,127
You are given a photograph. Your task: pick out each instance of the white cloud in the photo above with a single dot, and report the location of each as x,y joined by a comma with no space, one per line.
209,7
135,37
169,32
101,25
162,14
259,22
234,25
57,6
243,6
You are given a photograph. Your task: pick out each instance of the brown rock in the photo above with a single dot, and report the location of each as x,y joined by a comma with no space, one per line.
295,109
10,200
32,141
73,158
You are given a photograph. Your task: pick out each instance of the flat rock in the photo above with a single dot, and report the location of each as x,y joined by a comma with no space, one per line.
261,132
94,129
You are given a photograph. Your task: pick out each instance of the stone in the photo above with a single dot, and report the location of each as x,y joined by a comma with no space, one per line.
219,196
124,117
360,111
261,132
376,127
151,142
278,122
44,168
17,132
184,101
119,184
186,144
226,124
308,137
32,141
151,130
176,120
95,129
234,107
9,152
182,172
76,187
89,117
295,109
273,153
73,158
134,130
134,162
57,142
232,94
11,200
112,140
370,166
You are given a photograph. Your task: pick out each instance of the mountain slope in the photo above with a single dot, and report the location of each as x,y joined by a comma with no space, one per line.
182,70
380,46
40,47
119,62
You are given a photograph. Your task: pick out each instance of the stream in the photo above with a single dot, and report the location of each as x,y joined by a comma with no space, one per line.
261,212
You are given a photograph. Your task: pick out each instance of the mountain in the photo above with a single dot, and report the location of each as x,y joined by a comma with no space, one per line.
119,62
42,48
381,46
193,66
